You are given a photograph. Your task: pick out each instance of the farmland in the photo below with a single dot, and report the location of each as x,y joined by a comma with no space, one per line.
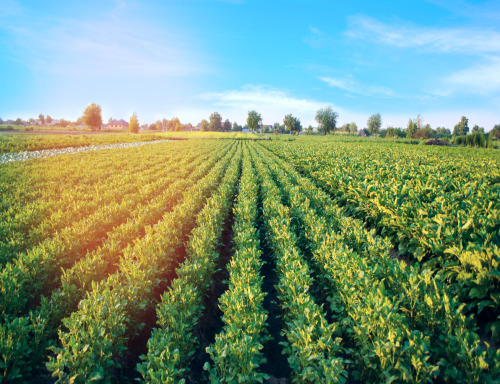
315,260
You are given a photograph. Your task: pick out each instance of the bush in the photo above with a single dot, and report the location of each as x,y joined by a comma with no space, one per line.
475,139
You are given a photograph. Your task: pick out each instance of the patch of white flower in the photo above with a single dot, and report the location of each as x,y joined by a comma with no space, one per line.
26,155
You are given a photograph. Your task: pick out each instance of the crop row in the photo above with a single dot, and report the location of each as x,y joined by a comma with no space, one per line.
172,343
115,310
442,208
60,209
398,324
29,335
237,354
313,351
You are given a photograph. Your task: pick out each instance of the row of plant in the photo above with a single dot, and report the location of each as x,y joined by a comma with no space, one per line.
172,343
44,322
440,205
399,324
313,351
96,337
237,354
33,273
51,212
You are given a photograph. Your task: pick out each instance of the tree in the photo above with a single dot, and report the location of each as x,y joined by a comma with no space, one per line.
204,125
495,132
327,120
227,126
374,123
18,121
477,128
42,118
411,129
419,121
64,123
462,128
253,121
134,124
292,124
91,117
215,123
309,130
48,119
236,127
158,125
353,128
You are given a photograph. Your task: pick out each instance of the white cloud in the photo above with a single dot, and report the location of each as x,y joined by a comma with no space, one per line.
273,104
482,79
444,40
351,86
106,44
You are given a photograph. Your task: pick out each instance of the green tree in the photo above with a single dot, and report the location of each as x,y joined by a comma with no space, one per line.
253,121
495,132
411,129
227,126
42,118
91,117
374,123
133,126
353,128
327,120
215,122
477,128
204,125
158,125
292,124
462,128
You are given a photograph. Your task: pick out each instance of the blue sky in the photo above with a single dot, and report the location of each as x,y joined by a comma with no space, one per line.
189,58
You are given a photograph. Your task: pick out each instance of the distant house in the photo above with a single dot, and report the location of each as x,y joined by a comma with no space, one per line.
245,130
363,133
116,124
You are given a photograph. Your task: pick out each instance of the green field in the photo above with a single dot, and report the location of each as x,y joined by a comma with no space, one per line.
310,259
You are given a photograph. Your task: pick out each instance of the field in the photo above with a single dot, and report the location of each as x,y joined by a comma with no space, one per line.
305,260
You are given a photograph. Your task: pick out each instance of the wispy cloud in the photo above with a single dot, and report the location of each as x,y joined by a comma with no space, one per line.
102,45
272,103
444,40
482,79
351,86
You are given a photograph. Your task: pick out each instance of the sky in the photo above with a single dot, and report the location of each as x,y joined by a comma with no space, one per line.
190,58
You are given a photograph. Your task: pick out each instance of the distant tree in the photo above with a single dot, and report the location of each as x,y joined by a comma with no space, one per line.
110,120
425,133
394,132
353,128
237,127
495,132
1,121
158,125
31,121
344,128
227,126
327,120
477,128
462,128
204,125
442,132
292,124
309,130
18,121
188,127
215,122
91,117
48,119
41,118
79,121
254,120
64,123
419,122
133,126
411,129
276,128
374,123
